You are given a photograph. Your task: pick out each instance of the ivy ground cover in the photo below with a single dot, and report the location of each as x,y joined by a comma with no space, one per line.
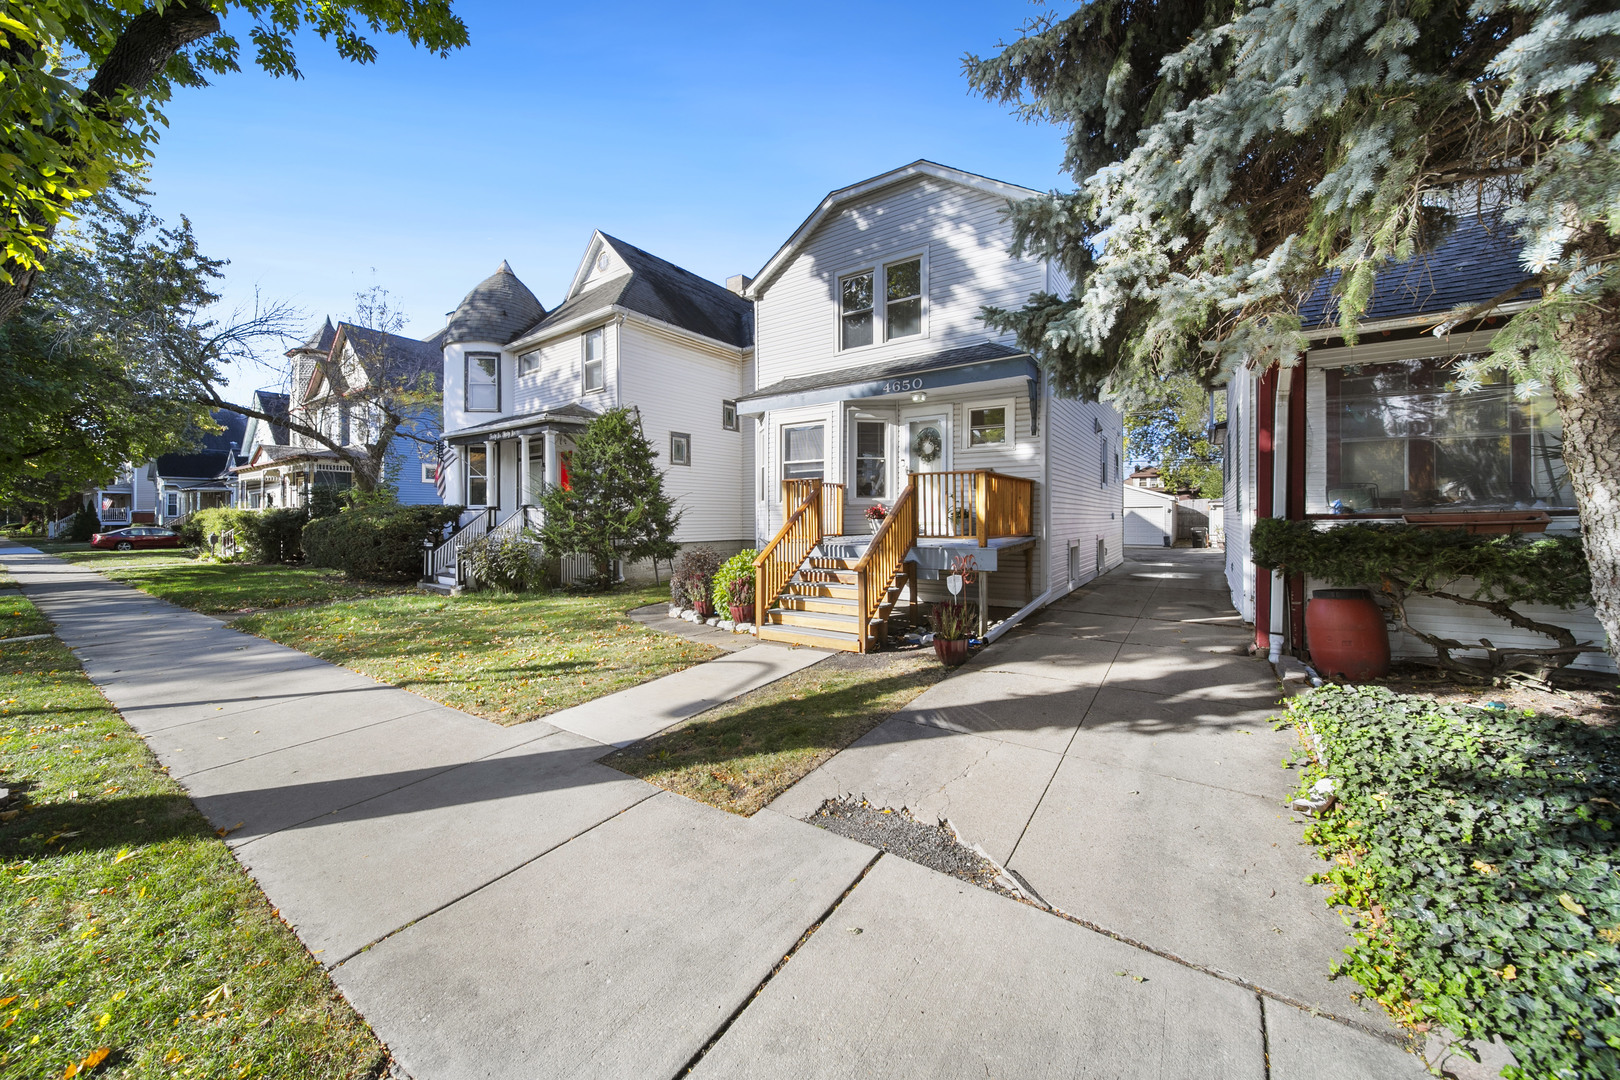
1477,849
131,942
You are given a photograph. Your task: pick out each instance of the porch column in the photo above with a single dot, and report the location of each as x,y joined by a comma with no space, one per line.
523,470
492,488
553,462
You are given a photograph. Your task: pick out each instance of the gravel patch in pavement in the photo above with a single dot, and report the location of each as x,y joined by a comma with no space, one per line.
898,833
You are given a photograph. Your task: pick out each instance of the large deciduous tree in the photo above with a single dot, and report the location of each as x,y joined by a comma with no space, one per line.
1227,155
83,84
1169,429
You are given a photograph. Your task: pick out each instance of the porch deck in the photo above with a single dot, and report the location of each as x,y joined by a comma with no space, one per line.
931,552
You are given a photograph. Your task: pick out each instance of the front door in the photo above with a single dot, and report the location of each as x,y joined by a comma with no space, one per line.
928,443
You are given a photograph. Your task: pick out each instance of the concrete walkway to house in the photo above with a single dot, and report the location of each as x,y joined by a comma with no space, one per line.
497,903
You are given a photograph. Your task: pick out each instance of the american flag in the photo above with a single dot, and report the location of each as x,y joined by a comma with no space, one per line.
441,475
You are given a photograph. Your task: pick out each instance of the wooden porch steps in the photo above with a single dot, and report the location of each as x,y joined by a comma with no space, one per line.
819,608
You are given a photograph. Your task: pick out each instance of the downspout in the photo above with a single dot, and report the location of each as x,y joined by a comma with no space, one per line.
1296,499
1265,482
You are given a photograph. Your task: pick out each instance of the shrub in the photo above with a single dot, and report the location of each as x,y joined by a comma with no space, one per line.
1478,847
693,577
325,500
377,544
85,525
1493,573
740,567
506,564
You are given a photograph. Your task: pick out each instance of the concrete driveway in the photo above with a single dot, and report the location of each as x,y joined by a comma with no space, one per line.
497,903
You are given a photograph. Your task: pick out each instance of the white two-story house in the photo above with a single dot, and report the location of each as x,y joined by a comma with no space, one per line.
876,383
633,331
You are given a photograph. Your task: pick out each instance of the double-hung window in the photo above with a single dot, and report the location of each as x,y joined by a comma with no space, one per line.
804,452
477,476
529,362
899,286
871,459
987,426
594,377
483,382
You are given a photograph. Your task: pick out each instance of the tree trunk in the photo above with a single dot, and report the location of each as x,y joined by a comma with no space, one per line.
1591,418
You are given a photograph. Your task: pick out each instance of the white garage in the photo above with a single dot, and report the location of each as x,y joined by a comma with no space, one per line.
1150,517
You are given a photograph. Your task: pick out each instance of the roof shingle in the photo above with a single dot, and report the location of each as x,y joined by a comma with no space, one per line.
496,310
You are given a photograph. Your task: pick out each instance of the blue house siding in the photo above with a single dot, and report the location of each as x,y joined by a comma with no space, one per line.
406,456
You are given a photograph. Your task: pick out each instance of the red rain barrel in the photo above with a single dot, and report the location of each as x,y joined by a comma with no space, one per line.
1346,633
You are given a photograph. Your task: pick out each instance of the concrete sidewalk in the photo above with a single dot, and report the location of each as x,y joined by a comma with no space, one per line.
499,904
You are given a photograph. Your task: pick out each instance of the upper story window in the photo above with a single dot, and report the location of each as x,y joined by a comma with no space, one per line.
529,362
483,382
728,415
899,284
594,375
1404,436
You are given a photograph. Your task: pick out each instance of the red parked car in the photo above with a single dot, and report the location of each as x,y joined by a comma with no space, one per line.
140,536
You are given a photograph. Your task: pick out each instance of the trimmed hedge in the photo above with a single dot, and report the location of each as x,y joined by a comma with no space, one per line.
510,564
1478,848
377,543
272,535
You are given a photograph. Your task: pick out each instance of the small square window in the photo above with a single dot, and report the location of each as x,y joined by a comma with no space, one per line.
594,377
430,473
728,415
680,448
529,363
988,426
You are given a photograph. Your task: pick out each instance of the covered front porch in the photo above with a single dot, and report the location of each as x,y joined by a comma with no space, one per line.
506,465
817,584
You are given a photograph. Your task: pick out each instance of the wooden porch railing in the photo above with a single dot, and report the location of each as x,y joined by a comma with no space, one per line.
973,504
884,556
832,502
793,543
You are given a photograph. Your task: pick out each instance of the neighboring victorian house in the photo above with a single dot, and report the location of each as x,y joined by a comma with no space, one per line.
1379,431
174,485
875,383
327,391
632,331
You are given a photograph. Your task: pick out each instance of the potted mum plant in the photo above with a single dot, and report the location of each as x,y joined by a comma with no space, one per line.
733,587
875,516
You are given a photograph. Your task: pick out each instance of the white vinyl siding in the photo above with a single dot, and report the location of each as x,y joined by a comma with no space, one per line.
1082,511
560,378
677,385
966,267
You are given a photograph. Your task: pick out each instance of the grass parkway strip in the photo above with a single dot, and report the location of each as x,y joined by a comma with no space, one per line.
131,942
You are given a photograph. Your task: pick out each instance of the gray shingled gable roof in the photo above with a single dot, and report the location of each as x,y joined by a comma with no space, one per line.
661,290
1478,260
213,457
320,340
275,404
406,357
497,309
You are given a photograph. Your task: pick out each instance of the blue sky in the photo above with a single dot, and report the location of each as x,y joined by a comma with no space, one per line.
702,132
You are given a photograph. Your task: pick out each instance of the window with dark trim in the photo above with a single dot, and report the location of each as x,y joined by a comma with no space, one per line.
483,382
680,448
477,476
1405,436
728,415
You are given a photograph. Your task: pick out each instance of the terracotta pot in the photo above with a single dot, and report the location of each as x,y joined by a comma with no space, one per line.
741,613
951,653
704,609
1346,633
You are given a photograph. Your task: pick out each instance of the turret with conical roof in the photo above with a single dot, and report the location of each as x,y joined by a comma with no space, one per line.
496,311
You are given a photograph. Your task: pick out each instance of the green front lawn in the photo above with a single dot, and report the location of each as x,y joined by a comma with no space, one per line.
741,755
19,618
1476,849
221,588
129,936
506,658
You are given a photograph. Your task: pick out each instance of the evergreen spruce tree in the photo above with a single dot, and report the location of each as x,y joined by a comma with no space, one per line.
615,506
1227,155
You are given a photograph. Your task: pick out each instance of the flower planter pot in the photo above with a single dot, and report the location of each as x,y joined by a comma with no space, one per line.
741,613
704,610
951,653
1488,524
874,524
1347,635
